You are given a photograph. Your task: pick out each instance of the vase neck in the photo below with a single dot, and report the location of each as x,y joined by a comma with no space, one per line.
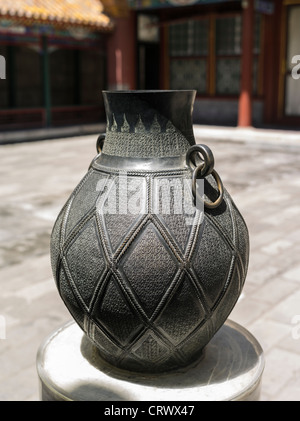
148,124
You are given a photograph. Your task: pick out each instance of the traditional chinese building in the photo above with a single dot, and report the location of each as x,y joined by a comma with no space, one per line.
241,56
55,55
238,55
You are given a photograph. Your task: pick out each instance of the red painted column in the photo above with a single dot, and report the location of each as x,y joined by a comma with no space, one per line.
245,100
121,54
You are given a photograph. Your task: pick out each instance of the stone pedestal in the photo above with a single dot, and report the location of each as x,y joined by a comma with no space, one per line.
70,369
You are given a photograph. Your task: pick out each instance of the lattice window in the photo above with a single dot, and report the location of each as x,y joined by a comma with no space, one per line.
188,74
189,38
212,67
188,55
228,76
228,50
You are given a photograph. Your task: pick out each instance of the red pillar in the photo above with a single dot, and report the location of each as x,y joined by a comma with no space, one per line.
121,54
245,100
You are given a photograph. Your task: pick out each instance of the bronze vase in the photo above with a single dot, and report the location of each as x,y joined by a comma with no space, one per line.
150,253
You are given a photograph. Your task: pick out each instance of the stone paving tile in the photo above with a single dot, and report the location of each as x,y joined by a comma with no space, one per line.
291,342
273,291
289,391
288,308
293,274
259,275
269,333
247,311
281,368
37,178
27,382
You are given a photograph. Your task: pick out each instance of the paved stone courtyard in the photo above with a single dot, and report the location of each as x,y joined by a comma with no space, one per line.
36,179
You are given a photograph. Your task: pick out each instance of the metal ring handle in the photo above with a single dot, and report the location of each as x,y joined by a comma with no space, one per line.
218,201
208,162
99,146
100,142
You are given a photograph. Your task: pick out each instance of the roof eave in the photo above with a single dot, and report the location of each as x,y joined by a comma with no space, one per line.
59,23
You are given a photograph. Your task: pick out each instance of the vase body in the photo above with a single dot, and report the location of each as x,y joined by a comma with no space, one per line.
148,276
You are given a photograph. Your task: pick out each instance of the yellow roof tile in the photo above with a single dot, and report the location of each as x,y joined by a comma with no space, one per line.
87,13
116,8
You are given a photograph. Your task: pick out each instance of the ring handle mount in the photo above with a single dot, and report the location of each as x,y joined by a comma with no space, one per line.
202,169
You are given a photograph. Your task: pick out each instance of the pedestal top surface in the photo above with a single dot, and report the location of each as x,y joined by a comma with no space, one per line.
70,367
